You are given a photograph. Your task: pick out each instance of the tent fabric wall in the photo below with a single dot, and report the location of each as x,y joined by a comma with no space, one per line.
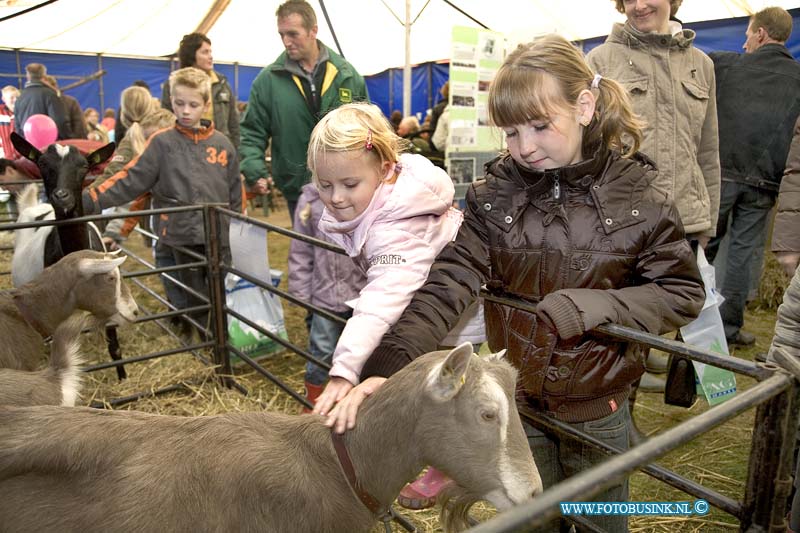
385,88
121,72
727,34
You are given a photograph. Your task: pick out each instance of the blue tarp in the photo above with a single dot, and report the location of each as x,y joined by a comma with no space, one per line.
385,88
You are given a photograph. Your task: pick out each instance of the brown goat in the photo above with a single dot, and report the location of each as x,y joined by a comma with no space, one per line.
83,280
80,469
59,383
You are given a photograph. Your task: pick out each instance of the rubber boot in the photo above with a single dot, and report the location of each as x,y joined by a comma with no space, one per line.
312,393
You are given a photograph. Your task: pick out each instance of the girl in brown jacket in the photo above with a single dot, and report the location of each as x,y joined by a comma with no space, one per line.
566,222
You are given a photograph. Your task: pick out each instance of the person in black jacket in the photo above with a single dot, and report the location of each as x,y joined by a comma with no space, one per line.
37,98
758,102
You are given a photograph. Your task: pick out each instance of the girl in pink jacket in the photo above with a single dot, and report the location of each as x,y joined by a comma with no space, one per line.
393,214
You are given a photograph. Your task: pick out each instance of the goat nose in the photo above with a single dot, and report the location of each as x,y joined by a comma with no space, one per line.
61,194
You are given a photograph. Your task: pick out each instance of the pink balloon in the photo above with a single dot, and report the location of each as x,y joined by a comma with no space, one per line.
40,131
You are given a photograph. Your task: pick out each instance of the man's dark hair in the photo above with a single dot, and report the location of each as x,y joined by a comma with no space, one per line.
188,48
140,83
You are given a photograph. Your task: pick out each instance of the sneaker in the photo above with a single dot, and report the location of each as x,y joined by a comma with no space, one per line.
742,338
422,493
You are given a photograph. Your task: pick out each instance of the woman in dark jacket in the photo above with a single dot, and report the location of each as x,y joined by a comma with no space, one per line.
195,51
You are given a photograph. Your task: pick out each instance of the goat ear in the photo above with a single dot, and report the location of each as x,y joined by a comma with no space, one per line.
451,375
92,267
498,356
26,149
100,155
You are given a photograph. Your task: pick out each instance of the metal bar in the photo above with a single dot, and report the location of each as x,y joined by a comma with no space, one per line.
286,344
216,292
270,376
733,364
770,472
280,230
93,218
592,482
286,296
720,501
138,396
146,357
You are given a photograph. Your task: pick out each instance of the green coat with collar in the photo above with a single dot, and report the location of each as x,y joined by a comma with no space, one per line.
277,110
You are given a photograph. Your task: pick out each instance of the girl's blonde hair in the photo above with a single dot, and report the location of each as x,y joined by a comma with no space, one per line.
135,104
358,127
157,119
546,77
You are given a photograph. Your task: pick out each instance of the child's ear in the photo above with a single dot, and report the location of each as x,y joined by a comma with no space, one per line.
586,105
386,166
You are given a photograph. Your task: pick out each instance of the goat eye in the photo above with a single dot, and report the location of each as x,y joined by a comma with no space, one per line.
489,416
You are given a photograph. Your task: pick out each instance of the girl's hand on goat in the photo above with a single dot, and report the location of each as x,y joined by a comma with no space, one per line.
343,416
336,389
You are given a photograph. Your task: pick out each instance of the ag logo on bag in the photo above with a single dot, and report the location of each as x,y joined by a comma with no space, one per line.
345,95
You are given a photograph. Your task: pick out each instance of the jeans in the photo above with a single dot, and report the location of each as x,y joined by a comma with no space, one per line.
560,458
748,209
322,341
196,278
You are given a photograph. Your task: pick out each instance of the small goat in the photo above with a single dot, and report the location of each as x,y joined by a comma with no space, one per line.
59,383
81,469
85,280
63,170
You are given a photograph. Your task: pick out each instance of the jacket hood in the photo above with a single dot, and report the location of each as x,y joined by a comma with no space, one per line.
627,35
421,189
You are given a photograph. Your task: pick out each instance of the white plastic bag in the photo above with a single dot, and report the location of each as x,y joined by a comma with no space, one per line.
260,307
707,332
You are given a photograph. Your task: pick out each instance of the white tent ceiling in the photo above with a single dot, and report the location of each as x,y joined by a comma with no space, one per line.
370,32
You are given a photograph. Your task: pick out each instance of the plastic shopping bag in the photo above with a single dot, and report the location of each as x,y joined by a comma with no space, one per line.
259,306
706,332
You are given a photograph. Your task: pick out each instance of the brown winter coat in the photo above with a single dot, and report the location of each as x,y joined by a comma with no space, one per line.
609,249
672,87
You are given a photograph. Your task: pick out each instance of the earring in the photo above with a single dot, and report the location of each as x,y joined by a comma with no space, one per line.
584,121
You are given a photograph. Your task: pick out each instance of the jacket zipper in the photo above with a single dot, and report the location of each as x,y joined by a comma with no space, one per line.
556,188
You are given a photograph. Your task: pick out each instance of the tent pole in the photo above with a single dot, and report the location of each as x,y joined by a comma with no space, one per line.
407,68
102,88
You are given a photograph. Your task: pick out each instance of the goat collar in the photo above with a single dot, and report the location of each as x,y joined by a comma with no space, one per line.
384,514
29,317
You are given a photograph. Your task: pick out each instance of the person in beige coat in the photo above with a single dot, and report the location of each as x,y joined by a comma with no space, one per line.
671,84
673,89
785,237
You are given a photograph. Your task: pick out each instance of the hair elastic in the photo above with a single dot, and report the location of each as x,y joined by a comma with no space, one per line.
368,144
596,81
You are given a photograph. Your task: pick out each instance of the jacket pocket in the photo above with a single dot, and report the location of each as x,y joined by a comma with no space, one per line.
696,103
635,86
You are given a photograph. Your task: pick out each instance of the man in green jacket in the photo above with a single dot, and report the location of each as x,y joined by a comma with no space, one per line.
287,99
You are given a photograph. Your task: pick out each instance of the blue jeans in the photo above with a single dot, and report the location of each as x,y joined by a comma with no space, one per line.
748,209
195,278
559,459
322,341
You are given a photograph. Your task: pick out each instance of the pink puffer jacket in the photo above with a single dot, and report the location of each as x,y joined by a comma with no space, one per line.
395,241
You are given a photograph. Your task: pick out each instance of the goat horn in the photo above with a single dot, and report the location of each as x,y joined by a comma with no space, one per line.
114,252
92,267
